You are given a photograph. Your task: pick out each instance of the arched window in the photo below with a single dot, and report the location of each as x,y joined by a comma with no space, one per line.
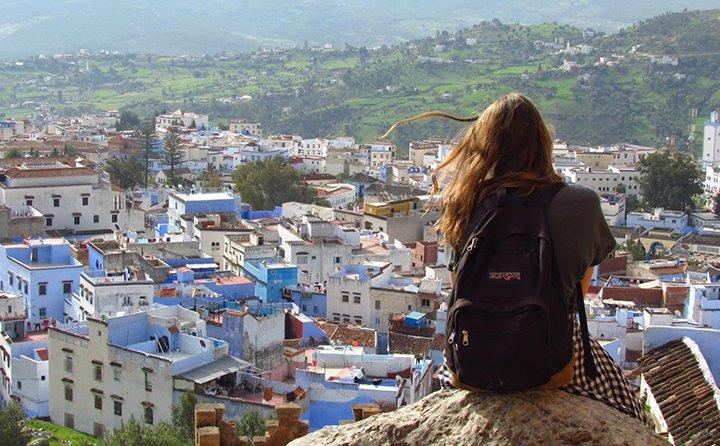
148,415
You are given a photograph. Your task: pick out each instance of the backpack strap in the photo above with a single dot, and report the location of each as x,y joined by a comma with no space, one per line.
588,361
543,197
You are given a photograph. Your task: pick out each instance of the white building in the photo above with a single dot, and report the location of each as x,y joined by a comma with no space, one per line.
339,195
103,372
659,219
103,293
69,197
711,141
348,292
613,208
182,118
313,147
381,153
317,247
245,126
712,180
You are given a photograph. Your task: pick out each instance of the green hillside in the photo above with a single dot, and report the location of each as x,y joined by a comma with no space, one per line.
360,92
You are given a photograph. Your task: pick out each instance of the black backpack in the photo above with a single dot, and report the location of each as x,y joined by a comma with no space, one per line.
508,327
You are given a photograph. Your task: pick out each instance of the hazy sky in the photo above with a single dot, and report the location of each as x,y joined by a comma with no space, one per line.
178,26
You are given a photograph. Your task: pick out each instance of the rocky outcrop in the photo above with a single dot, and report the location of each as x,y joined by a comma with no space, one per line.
455,417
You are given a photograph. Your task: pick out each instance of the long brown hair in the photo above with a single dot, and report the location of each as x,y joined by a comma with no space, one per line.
508,145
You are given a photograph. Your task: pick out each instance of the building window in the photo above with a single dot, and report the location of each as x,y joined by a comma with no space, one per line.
98,401
68,392
11,278
356,299
127,301
116,373
19,385
42,288
117,408
425,302
98,372
67,287
336,317
113,218
69,421
28,202
56,202
377,304
48,221
148,415
358,320
96,219
77,219
85,201
98,430
315,309
42,312
336,260
148,384
346,318
345,297
68,364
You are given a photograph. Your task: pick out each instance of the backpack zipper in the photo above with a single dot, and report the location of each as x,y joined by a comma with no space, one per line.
472,244
465,338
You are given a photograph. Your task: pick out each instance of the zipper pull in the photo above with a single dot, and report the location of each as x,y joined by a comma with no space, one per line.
451,338
472,244
466,338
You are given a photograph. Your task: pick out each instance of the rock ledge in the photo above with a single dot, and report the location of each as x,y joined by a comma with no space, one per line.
456,417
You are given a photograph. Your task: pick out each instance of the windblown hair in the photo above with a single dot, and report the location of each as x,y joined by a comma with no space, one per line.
508,145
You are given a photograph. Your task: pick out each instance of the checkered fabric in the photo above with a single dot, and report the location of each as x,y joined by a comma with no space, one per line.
609,386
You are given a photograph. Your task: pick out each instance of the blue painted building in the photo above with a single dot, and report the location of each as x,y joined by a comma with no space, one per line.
207,203
311,303
270,277
45,273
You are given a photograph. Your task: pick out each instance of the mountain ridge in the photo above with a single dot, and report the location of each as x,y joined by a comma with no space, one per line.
176,27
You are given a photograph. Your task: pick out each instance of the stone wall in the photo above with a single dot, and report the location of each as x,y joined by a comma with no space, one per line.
455,417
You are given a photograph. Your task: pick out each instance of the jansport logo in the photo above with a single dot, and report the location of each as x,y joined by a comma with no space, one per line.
507,276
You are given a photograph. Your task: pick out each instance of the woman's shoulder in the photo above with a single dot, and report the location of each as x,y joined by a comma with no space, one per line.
573,194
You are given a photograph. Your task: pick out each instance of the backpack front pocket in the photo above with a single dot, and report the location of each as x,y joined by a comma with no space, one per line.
499,351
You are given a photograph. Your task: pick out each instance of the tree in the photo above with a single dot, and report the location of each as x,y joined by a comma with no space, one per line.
635,249
669,180
251,424
13,153
70,151
210,179
125,174
136,434
183,416
267,183
11,432
715,203
128,121
173,154
148,138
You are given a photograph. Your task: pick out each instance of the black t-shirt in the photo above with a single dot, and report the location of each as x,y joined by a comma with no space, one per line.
580,236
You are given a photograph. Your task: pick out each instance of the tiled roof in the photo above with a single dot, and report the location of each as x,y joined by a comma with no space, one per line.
49,172
409,345
697,239
347,334
685,391
641,296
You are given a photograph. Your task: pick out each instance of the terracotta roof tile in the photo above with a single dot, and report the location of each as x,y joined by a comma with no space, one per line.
417,346
347,334
49,172
684,390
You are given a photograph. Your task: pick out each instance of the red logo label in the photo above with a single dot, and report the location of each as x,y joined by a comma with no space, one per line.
505,275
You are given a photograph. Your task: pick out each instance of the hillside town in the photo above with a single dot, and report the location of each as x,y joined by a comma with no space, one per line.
114,302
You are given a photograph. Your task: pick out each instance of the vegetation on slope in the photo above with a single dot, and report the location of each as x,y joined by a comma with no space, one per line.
359,92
